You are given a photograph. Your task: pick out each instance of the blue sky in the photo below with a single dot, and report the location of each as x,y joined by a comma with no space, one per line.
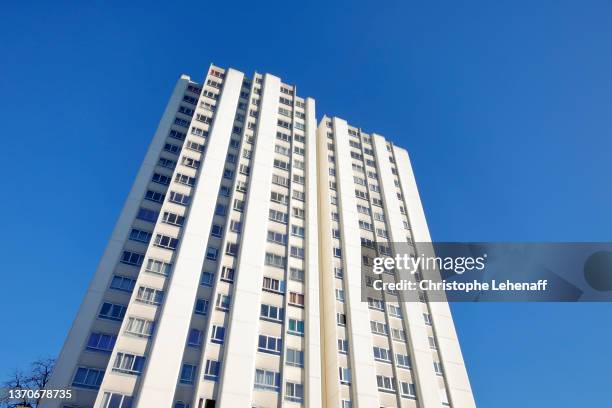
504,107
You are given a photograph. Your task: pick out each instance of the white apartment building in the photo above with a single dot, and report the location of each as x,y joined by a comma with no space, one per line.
232,276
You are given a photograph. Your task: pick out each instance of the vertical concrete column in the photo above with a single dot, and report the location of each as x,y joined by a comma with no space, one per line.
312,394
328,325
164,363
238,366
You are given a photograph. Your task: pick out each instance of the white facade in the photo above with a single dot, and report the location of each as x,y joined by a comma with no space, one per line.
233,275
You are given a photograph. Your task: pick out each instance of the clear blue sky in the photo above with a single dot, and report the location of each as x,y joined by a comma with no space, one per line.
506,109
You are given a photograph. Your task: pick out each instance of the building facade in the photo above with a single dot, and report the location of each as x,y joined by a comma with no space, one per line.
232,276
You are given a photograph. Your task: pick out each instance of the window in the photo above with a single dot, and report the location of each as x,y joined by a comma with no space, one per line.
438,368
280,180
403,360
245,169
88,378
345,375
122,283
365,225
228,174
128,363
296,299
427,318
295,358
278,216
140,327
201,306
184,179
296,274
284,124
395,311
189,162
346,404
231,248
132,258
432,343
298,179
294,392
340,295
269,312
114,400
277,237
195,338
376,304
161,179
299,213
101,342
188,373
220,209
273,285
269,344
278,198
241,186
218,334
223,302
239,205
216,230
408,389
267,380
212,370
381,354
207,279
111,311
297,252
154,196
343,346
296,327
378,327
363,210
385,383
212,253
283,136
147,215
398,334
341,319
157,266
299,195
139,235
199,132
148,295
282,150
275,260
203,118
337,252
338,272
297,231
173,219
235,226
227,274
164,241
172,148
163,162
178,198
279,164
194,89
